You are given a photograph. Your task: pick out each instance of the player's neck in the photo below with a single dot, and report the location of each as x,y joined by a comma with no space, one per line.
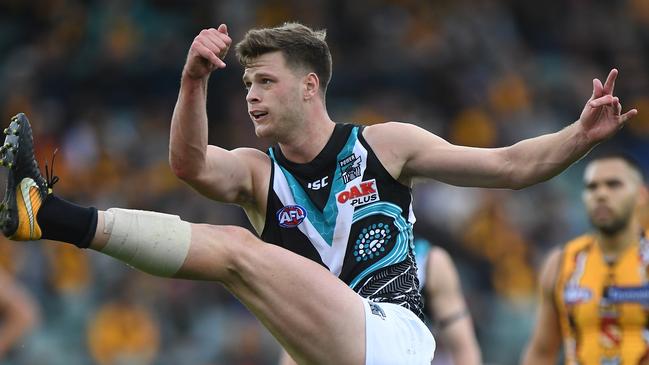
306,142
614,244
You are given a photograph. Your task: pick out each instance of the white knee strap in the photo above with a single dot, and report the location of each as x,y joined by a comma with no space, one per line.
153,242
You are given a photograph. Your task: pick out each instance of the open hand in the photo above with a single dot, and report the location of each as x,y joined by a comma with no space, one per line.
207,52
602,116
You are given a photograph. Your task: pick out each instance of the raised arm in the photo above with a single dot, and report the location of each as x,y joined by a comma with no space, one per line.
451,314
217,173
545,343
410,152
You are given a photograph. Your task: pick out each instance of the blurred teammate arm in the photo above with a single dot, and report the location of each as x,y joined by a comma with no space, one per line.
410,152
545,344
451,314
18,313
215,172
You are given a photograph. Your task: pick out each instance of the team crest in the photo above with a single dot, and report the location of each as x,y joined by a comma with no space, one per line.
290,216
350,167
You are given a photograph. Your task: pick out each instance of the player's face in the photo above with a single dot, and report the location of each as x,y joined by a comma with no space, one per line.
610,194
274,95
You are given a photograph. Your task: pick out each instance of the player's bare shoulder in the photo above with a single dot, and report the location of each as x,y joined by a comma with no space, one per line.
385,132
396,143
387,142
253,156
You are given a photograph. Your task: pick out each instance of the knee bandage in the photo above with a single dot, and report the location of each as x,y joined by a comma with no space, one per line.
153,242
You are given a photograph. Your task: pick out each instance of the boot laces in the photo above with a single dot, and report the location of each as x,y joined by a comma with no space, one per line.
50,178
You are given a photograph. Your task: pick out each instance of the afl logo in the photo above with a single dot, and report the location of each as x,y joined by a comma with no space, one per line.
291,216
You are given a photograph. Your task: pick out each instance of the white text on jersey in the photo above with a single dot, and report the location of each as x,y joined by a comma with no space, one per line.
318,184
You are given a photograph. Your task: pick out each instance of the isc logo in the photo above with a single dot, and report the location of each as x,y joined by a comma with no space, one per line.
318,184
360,194
291,216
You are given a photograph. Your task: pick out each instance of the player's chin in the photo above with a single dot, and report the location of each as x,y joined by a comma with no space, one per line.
263,130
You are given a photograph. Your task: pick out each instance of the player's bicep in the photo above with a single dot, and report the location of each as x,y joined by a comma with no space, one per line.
229,176
430,156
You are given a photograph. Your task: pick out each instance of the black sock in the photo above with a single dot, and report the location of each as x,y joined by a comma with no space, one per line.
63,221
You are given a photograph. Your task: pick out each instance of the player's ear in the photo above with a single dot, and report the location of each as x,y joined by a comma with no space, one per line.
311,86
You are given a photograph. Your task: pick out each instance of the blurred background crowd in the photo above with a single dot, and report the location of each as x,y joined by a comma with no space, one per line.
99,80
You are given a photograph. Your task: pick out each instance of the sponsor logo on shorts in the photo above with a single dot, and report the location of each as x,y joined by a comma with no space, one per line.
350,168
377,310
576,295
291,216
359,194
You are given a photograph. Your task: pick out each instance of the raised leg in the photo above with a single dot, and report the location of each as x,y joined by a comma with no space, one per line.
314,315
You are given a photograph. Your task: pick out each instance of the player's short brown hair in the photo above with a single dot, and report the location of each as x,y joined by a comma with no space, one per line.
302,47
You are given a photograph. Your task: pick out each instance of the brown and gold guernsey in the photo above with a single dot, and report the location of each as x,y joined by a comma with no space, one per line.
603,305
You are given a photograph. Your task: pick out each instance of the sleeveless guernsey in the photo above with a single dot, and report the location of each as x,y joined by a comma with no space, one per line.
344,211
603,307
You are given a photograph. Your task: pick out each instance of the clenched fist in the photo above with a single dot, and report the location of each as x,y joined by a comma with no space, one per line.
207,52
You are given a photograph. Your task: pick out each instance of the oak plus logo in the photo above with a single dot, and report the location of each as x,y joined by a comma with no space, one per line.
359,194
291,216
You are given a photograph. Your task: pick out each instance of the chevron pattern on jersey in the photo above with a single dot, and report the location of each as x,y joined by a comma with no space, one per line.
396,284
324,221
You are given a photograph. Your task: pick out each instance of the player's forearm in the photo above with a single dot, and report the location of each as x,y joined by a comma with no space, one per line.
538,159
188,136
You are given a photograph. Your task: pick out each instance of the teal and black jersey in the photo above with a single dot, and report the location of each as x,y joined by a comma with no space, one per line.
344,211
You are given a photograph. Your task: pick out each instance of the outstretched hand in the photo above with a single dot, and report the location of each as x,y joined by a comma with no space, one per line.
207,52
602,116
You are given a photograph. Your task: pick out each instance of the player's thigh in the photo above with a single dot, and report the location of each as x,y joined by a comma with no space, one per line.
308,309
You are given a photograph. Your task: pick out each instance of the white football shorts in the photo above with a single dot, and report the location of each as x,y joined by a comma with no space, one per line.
394,335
